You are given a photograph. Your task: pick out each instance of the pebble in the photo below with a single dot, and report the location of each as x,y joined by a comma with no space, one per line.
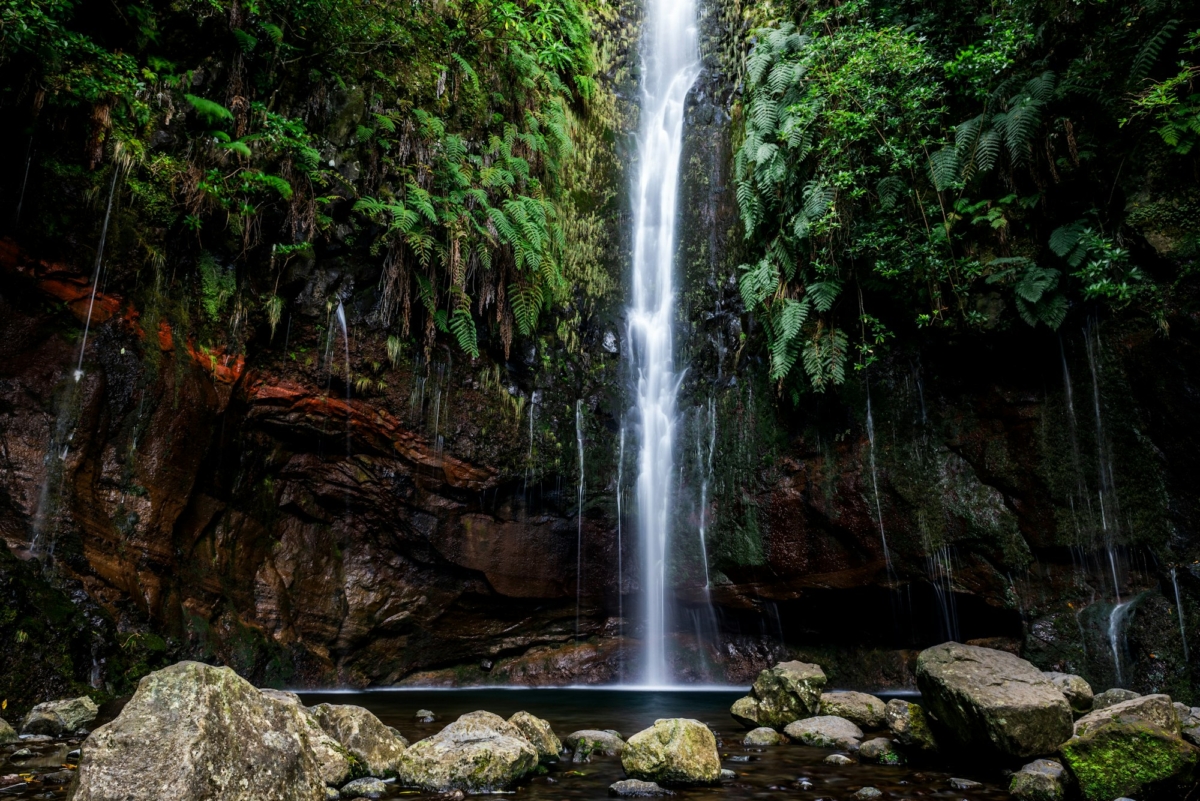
804,784
838,759
727,775
364,788
867,793
964,784
635,788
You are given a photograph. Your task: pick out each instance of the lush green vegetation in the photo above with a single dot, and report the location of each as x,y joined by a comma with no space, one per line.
427,136
961,168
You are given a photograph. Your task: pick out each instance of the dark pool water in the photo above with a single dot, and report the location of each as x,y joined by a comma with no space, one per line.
763,773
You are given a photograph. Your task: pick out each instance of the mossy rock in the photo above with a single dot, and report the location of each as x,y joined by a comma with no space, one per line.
1124,757
673,751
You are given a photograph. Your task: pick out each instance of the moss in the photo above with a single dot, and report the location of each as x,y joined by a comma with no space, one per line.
1125,757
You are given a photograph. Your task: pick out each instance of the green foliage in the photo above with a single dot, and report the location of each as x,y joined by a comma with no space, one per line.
217,285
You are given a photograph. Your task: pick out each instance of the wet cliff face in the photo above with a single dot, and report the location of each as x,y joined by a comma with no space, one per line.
316,510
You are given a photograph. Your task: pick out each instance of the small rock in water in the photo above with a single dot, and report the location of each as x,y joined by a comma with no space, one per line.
425,716
1113,697
838,759
762,736
58,777
867,793
880,750
964,784
36,738
825,731
74,754
635,788
739,758
23,753
1040,780
728,775
804,784
364,788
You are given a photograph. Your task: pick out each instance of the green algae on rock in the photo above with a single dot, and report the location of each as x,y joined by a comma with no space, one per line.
538,733
1125,757
787,692
673,751
910,725
480,752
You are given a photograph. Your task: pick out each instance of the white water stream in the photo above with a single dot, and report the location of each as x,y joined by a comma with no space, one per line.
670,59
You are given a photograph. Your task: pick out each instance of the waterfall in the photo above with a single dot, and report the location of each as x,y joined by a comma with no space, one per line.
887,554
579,516
1179,608
1116,619
620,550
705,463
670,59
1106,489
112,189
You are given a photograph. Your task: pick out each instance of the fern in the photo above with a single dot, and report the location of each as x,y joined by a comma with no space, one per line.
462,325
1149,53
1068,242
209,111
823,294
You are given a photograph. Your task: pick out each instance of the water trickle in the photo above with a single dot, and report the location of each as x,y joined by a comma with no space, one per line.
1106,490
24,184
1179,609
341,318
529,456
579,516
112,190
620,550
705,461
670,58
887,555
1116,622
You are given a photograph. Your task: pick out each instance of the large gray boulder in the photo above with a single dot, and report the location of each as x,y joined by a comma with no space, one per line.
1156,709
373,744
478,753
538,733
60,717
586,743
993,700
1075,689
910,725
862,709
673,751
825,731
1114,696
1040,780
194,732
786,692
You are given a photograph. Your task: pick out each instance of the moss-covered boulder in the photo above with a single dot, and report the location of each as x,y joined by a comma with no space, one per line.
538,733
478,753
993,702
763,735
673,751
1075,689
376,747
194,732
60,717
7,733
881,750
825,731
586,743
910,725
1127,757
862,709
1040,780
787,692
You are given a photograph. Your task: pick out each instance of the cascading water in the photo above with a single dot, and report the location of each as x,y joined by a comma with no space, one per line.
579,516
1179,609
670,58
1116,620
887,554
112,190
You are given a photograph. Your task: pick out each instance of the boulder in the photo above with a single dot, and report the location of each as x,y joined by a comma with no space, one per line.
1189,716
1156,709
1128,756
587,742
993,700
786,692
424,716
763,735
673,751
1040,780
880,750
1113,696
7,733
908,722
1077,691
286,696
478,753
1192,735
861,709
367,787
838,759
867,794
194,732
825,731
362,734
636,788
60,717
538,733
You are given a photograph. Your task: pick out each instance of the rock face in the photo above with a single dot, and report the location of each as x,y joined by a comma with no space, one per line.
1040,780
993,700
1113,696
538,733
673,751
362,734
480,752
587,742
1126,757
825,731
1156,709
861,709
1077,691
762,736
193,732
910,725
786,692
59,717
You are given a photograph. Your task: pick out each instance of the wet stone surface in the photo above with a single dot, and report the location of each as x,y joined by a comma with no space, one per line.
789,771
